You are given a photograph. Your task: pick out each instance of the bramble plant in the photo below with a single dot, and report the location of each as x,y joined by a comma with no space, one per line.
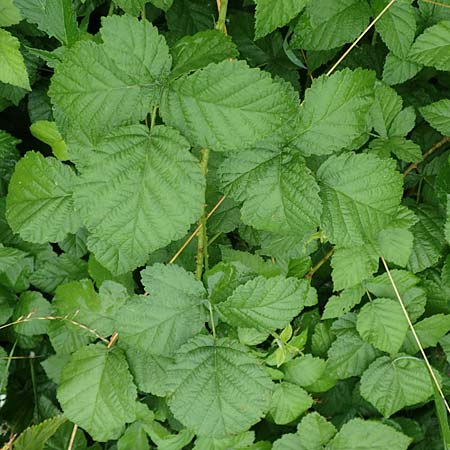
224,225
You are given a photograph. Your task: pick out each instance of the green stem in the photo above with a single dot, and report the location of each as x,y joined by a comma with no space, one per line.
111,8
202,243
153,117
314,269
143,13
33,382
211,318
220,25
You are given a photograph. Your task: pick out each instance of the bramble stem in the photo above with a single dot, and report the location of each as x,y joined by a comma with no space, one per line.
222,6
314,269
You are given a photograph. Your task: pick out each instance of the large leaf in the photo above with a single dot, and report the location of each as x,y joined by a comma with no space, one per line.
267,304
151,182
97,392
271,15
227,106
12,68
168,317
55,17
356,206
432,47
391,384
218,388
278,190
382,323
328,24
39,205
117,82
334,112
358,434
397,26
438,115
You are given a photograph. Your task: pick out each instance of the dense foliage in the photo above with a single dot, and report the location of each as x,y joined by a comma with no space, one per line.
314,191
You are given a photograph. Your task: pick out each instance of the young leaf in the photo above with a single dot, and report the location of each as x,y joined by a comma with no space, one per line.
267,304
289,401
12,70
356,205
397,70
39,205
315,431
390,385
144,177
227,106
349,356
438,115
97,391
218,388
358,434
432,47
168,317
194,52
337,306
304,370
106,85
57,18
382,323
397,26
334,112
270,16
133,7
279,192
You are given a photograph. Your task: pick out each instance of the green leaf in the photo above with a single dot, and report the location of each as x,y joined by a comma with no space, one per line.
9,14
250,106
75,244
58,270
144,177
349,356
315,431
438,115
358,434
397,70
429,331
396,245
390,385
134,438
429,239
12,69
382,323
289,401
267,304
328,24
353,265
168,317
218,388
35,437
432,47
194,52
334,112
278,190
270,15
339,305
15,268
8,158
133,7
47,132
356,206
121,78
397,26
34,306
39,205
303,370
191,16
239,442
57,18
97,392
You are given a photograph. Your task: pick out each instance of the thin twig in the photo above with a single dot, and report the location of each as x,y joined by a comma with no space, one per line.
431,150
9,444
355,43
194,233
314,269
72,436
416,337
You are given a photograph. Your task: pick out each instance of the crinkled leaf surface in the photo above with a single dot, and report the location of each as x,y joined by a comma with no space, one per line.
171,314
227,106
218,388
97,391
141,190
267,304
40,205
279,192
334,111
117,82
391,384
356,205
